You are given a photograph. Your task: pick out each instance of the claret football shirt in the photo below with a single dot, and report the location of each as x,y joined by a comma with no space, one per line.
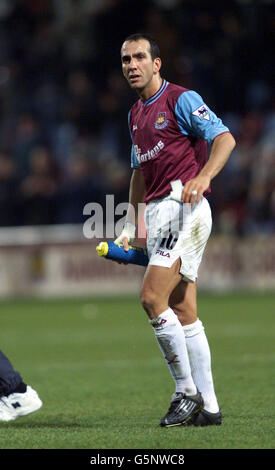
170,132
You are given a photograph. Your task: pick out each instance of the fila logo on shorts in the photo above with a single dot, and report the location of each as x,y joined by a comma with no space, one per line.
162,253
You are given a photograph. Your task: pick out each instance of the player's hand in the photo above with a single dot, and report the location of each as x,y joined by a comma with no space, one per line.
125,244
127,235
194,189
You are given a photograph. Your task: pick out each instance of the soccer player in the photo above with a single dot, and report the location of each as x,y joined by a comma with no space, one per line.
16,398
170,127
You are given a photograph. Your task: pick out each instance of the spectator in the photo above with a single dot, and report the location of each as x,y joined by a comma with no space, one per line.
27,137
9,194
81,186
39,189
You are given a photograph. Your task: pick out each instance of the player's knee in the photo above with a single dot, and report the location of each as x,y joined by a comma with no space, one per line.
149,302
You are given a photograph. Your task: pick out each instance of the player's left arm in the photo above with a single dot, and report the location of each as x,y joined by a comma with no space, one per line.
195,118
221,149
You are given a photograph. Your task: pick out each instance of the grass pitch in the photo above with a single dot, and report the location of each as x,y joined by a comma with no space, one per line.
98,370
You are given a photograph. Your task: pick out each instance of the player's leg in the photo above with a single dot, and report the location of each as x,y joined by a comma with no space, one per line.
157,286
183,301
10,379
16,398
158,283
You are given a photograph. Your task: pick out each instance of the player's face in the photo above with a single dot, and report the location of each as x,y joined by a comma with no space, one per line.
137,65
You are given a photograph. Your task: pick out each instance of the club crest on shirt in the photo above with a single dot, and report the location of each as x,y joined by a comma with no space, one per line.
202,112
161,121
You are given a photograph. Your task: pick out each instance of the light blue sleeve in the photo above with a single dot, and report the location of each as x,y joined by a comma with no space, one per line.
195,118
134,161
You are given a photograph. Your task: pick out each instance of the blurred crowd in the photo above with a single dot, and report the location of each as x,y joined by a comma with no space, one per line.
64,137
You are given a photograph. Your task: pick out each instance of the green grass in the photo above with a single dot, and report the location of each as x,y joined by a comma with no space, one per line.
104,385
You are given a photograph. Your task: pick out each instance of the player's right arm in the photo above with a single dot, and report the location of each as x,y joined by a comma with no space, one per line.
136,196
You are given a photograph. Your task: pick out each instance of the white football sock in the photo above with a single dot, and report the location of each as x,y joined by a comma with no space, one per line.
171,340
200,362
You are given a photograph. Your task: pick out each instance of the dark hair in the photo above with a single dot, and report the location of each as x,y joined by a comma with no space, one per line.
154,48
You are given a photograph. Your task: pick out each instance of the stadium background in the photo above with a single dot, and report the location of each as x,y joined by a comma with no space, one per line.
64,142
64,138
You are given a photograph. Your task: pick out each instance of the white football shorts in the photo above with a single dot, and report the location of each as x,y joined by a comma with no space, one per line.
175,230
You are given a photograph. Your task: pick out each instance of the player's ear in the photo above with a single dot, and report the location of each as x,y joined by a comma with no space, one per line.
157,65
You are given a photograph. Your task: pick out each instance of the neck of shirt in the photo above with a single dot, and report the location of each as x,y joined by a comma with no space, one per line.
156,95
